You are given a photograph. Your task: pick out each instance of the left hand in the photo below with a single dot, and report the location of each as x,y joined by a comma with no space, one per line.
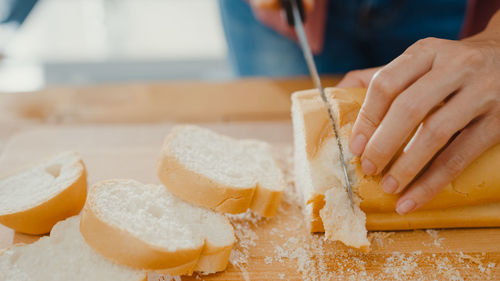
443,87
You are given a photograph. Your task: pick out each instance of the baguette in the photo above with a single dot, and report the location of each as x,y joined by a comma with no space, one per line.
35,199
475,191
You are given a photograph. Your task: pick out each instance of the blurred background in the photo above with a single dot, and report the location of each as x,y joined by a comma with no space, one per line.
74,42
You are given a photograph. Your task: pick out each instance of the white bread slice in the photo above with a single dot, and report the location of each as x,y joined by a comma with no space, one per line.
33,200
146,227
61,257
221,173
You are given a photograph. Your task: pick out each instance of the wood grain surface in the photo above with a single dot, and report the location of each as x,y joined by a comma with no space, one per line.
279,248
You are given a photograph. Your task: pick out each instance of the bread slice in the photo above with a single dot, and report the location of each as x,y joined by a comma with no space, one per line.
474,192
61,257
33,200
146,227
219,172
318,173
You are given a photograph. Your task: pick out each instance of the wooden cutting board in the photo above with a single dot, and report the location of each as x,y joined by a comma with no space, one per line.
279,248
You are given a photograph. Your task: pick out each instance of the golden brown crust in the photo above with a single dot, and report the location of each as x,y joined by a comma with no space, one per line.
265,202
204,191
123,248
200,190
460,217
40,219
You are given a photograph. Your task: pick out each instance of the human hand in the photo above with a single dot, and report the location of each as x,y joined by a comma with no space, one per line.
269,13
450,90
276,4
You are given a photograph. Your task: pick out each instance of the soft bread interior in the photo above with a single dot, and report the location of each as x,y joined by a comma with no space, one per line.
61,257
40,183
344,221
221,173
164,231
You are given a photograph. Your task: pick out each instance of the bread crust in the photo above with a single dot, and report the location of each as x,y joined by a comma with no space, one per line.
204,191
124,248
473,190
200,190
41,218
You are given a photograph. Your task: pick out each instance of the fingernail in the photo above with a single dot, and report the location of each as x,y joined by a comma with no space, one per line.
358,144
407,206
368,167
389,184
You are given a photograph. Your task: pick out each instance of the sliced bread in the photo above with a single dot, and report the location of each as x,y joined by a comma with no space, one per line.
61,257
221,173
33,200
146,227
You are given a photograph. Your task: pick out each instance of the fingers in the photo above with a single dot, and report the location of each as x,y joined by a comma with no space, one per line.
276,4
386,84
431,136
266,4
405,113
358,78
469,144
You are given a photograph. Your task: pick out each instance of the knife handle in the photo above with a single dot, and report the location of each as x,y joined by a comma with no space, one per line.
287,6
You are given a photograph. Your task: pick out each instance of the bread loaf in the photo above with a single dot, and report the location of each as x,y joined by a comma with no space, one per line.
470,200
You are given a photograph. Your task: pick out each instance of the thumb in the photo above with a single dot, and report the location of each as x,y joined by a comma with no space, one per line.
358,78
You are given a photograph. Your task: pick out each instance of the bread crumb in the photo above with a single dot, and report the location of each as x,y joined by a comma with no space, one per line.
380,238
157,277
312,258
434,234
246,238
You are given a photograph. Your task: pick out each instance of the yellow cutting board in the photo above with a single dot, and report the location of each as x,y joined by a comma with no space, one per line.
279,248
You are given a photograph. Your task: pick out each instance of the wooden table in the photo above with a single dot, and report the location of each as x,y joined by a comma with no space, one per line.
125,124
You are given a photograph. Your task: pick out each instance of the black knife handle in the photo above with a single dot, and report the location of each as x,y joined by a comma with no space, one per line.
287,5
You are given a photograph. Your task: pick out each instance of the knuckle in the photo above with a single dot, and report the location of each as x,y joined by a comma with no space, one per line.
353,73
367,120
406,173
408,107
428,42
492,127
427,191
455,164
436,131
472,57
381,85
377,150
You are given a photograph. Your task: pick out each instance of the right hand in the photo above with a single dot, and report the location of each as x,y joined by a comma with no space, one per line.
269,13
276,4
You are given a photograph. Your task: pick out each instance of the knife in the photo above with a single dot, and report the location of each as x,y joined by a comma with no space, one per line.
295,15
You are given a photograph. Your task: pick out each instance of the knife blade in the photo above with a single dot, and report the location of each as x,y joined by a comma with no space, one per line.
295,18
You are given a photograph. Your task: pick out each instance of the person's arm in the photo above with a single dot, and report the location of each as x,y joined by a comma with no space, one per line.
463,79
